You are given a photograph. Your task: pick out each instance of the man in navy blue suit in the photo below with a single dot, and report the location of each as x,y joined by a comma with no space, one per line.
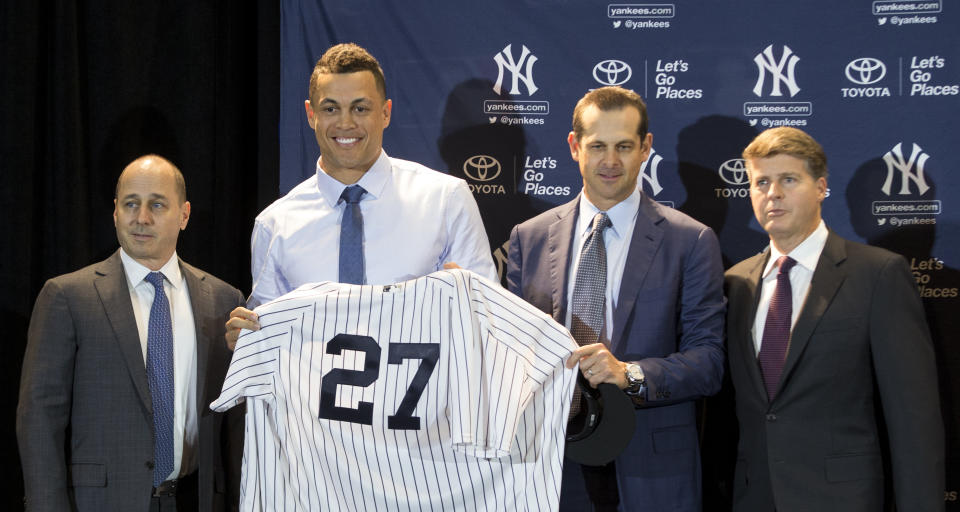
661,320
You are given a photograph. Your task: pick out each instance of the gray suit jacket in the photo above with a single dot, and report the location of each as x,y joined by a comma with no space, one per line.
860,348
84,421
669,317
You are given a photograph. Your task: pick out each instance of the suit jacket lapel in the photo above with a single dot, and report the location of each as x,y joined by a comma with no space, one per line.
644,244
745,320
111,285
201,302
827,279
559,238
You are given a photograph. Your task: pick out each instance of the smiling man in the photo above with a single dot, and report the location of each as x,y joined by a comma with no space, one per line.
121,360
363,217
639,286
827,342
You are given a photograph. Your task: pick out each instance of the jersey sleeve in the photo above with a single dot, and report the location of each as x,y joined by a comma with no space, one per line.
511,352
253,369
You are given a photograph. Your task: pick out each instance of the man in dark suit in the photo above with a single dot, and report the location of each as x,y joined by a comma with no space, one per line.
655,325
826,342
117,378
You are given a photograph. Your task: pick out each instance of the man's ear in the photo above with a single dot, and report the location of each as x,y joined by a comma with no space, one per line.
574,146
311,120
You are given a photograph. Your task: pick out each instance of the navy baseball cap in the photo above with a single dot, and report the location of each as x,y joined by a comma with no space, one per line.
603,427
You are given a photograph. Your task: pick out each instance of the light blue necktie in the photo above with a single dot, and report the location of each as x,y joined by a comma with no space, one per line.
160,377
351,237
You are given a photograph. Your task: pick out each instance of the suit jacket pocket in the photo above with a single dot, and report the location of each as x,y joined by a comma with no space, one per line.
673,439
845,468
219,481
87,474
838,324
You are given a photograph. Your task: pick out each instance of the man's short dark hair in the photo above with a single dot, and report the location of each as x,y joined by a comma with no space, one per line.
347,58
607,99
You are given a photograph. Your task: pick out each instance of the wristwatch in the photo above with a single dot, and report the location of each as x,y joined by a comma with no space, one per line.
636,386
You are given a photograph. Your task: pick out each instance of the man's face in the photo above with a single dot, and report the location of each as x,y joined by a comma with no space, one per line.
610,153
348,118
148,214
786,198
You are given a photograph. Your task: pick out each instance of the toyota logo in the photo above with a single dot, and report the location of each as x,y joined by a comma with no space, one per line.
612,72
734,172
866,71
481,168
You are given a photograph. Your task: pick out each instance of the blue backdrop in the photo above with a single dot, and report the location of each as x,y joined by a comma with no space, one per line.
485,91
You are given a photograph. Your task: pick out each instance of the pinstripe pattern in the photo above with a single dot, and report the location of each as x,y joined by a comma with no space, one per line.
491,416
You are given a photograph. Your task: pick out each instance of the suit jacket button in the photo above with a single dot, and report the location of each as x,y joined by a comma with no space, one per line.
771,417
149,464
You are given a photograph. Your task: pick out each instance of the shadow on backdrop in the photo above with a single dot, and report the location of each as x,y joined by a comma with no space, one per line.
718,193
938,283
490,157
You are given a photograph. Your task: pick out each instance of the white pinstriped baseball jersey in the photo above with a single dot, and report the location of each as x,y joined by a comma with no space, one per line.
440,393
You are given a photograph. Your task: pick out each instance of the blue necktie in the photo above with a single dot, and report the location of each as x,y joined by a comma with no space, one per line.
160,378
776,330
351,236
589,293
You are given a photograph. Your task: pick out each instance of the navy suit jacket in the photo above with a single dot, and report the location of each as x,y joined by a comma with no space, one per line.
85,417
860,349
669,318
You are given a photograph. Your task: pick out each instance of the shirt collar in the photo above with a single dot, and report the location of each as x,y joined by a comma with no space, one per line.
136,272
621,215
373,181
806,254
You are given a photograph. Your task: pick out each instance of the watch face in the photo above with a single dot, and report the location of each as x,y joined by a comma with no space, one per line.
634,371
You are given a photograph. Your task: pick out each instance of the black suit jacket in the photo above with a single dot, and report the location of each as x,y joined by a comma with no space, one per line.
860,353
84,421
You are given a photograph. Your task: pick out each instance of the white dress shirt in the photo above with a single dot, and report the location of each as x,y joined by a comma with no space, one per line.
616,241
414,220
807,254
184,351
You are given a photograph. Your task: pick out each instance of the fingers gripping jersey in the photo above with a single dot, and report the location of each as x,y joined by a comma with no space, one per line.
441,393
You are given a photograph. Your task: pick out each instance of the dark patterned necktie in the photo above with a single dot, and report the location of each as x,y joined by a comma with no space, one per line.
776,330
351,237
160,378
589,292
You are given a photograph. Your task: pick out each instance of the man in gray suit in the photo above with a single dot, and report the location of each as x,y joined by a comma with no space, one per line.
117,378
826,342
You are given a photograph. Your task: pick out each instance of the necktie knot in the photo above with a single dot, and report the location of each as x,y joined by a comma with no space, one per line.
785,263
352,194
156,279
601,221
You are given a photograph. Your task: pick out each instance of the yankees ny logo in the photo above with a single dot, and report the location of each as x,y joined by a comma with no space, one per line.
766,62
505,61
894,160
653,162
